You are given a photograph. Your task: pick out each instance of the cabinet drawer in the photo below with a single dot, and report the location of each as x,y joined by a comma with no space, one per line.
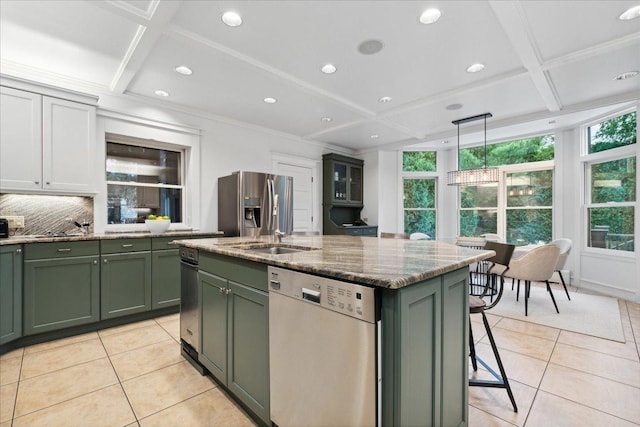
60,249
161,243
125,245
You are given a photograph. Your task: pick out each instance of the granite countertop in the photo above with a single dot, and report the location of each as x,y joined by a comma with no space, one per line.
388,263
14,240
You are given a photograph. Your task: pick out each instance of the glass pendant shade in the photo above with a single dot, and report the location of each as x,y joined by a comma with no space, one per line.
477,176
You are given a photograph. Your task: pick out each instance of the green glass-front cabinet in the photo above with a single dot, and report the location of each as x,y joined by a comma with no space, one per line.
61,285
235,322
125,277
10,293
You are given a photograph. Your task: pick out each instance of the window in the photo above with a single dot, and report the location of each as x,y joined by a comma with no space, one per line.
611,183
419,192
143,181
520,206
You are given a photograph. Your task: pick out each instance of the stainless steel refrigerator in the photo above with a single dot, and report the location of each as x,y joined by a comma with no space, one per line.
254,204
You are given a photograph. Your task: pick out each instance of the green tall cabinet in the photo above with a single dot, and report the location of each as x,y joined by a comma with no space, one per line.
61,285
235,332
10,293
125,277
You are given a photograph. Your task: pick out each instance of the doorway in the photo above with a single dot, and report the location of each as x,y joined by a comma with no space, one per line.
305,180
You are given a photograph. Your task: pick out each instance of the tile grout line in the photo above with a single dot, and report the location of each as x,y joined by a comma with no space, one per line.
119,382
215,386
15,399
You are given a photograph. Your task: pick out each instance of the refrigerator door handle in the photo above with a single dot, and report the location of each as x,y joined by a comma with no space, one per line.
270,211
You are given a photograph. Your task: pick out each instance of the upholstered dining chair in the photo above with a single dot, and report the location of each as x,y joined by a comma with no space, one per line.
386,235
537,265
499,265
565,250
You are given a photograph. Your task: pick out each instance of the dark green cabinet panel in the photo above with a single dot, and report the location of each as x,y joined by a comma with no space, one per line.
165,278
235,328
10,293
125,284
424,354
59,293
213,309
248,373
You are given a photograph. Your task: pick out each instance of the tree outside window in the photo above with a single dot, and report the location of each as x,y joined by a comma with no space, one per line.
419,192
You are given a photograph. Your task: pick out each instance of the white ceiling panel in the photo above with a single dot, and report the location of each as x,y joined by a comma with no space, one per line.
417,60
594,78
224,85
70,38
575,25
505,99
359,136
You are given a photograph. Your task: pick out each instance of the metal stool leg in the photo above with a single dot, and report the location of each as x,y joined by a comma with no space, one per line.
472,348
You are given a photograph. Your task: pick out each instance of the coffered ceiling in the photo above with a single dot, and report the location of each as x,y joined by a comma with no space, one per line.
546,64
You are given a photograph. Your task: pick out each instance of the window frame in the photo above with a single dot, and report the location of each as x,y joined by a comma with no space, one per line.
588,160
433,175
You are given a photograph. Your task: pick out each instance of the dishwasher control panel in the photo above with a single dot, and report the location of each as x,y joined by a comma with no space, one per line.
347,298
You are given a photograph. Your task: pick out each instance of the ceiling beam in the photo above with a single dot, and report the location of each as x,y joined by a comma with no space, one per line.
142,43
513,20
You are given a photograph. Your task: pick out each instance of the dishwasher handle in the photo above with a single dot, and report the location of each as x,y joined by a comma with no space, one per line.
311,296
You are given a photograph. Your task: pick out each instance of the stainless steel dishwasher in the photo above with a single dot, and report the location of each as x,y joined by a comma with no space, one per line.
189,307
324,351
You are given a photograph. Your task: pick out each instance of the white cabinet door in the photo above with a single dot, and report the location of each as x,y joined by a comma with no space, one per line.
68,145
20,140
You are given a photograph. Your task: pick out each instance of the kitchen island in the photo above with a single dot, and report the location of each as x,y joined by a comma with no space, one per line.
422,289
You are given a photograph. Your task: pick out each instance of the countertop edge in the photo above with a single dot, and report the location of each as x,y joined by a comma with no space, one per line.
17,240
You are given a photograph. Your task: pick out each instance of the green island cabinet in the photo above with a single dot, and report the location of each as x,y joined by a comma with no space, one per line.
425,352
61,285
125,277
10,293
234,306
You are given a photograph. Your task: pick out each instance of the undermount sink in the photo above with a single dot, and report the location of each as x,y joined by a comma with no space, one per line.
274,248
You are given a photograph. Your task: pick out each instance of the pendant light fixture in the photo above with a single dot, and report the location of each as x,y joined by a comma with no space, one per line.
478,176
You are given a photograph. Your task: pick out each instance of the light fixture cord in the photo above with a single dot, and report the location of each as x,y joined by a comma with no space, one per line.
458,126
485,141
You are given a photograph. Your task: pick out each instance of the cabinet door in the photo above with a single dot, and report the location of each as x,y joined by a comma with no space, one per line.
125,284
340,178
248,373
213,309
59,293
68,134
10,293
20,140
355,184
165,278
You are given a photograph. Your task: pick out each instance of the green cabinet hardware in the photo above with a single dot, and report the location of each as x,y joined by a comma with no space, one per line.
235,335
61,290
10,293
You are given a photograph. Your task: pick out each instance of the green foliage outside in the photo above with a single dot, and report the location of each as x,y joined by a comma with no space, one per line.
419,161
509,153
419,206
617,132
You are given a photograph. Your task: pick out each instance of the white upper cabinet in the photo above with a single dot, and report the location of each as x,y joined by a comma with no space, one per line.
47,144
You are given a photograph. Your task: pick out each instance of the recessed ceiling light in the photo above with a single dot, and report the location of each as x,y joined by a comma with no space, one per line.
385,99
452,107
626,75
270,100
475,68
430,16
630,13
375,136
184,70
232,19
369,47
328,68
326,119
161,93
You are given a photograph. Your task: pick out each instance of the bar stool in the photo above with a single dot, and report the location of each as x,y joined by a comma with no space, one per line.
494,286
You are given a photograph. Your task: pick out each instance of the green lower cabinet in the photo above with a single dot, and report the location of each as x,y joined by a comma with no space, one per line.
235,329
248,347
125,284
213,309
59,293
424,355
165,278
10,293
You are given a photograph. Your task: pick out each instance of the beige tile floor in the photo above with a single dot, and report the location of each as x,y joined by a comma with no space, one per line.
134,375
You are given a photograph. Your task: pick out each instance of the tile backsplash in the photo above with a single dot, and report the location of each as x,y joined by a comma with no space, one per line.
47,214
